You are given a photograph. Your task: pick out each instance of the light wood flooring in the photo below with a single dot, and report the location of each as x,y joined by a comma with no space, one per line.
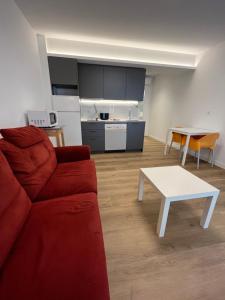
189,262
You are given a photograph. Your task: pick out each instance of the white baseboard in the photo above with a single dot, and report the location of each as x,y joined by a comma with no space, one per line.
156,138
219,164
203,157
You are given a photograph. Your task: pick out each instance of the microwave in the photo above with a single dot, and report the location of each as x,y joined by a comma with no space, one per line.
42,118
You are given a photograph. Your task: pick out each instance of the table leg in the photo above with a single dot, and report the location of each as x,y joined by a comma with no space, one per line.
185,150
141,186
163,215
58,140
62,138
167,141
208,210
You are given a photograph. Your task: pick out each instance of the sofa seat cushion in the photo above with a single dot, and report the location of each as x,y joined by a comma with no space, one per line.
30,155
70,178
60,253
14,209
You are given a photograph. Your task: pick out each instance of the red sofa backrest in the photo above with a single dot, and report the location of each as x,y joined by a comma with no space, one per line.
14,208
30,155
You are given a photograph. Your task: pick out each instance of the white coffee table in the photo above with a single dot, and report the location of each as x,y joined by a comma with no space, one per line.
177,184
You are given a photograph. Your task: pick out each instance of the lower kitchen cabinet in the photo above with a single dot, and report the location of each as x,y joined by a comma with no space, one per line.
93,134
135,136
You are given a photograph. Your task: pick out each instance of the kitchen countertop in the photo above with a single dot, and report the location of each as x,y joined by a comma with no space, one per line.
112,121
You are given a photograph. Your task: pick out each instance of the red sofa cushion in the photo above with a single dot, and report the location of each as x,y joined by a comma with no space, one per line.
72,153
20,161
70,178
60,254
30,155
14,208
23,136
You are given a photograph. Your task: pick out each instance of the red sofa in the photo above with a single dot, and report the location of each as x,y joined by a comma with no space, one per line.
51,242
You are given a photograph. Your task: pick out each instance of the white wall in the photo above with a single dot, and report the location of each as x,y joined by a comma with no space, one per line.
146,103
45,76
192,99
167,91
116,109
20,77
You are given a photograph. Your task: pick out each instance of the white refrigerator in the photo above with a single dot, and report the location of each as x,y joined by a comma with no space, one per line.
68,109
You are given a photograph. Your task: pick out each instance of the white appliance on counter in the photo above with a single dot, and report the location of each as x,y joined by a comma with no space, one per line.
68,109
41,118
115,137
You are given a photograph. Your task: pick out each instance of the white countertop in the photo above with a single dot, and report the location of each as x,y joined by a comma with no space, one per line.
113,120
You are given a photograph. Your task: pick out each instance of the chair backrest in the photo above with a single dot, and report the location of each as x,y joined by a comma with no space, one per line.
30,155
14,208
209,140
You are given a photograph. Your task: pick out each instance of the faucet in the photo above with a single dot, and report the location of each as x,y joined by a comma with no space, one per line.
96,113
129,113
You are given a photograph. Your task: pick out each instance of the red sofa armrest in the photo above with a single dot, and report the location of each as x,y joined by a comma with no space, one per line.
72,153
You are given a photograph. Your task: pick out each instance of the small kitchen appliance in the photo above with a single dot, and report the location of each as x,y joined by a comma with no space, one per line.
42,118
104,116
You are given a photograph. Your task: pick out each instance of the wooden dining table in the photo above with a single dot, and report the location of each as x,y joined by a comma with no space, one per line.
189,131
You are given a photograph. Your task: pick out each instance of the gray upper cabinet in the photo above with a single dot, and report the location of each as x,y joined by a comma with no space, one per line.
135,83
111,82
90,81
63,70
114,82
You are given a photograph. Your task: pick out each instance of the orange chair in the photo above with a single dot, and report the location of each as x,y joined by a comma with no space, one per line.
177,138
206,142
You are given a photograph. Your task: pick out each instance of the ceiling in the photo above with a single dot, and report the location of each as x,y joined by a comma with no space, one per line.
177,25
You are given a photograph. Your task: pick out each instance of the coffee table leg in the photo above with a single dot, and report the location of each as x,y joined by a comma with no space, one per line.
141,186
163,215
208,210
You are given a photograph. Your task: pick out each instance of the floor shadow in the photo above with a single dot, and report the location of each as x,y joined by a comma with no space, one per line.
183,226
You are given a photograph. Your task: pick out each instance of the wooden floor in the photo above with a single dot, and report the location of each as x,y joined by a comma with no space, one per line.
189,262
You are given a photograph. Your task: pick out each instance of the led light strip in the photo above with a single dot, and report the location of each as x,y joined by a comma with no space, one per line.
103,101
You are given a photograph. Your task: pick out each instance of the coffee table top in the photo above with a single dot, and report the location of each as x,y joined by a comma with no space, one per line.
175,182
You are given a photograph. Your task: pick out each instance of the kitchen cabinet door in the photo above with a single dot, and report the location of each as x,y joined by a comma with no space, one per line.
135,84
114,82
135,136
96,143
63,70
93,134
90,81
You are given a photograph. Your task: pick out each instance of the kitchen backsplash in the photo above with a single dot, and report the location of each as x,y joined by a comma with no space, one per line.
120,110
